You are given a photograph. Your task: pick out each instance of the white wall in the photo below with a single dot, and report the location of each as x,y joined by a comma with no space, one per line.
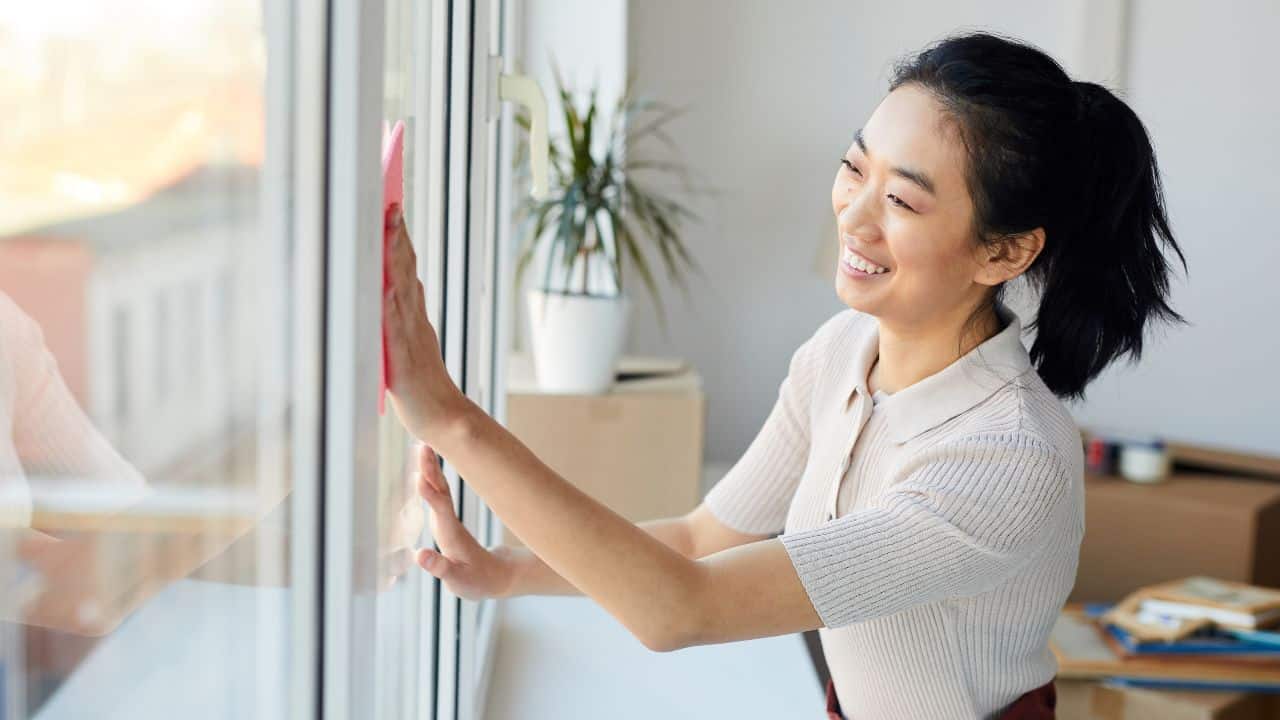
1203,80
777,91
587,39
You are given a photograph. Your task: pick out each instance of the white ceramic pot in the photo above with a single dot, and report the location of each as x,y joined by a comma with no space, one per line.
576,340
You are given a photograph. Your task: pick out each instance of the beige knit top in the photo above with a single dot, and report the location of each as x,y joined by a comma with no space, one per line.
46,440
936,529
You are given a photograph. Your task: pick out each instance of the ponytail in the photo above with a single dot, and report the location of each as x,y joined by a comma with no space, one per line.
1071,157
1105,278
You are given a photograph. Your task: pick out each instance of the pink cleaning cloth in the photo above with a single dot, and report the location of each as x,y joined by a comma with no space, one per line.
392,194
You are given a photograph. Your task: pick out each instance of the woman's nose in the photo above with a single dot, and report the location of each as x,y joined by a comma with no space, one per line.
856,213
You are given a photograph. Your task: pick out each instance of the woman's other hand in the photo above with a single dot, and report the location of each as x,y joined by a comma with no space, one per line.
467,569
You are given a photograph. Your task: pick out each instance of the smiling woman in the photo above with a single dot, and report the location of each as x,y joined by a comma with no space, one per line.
924,473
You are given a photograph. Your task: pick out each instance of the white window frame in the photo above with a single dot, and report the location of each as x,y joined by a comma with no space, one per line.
453,192
353,295
469,331
305,90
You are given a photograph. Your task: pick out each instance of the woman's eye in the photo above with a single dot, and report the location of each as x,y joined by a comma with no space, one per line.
898,201
846,163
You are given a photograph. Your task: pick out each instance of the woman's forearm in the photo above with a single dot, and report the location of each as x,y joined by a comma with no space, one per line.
531,576
652,589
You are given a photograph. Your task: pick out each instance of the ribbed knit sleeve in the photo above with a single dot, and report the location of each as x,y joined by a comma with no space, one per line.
52,436
965,516
754,495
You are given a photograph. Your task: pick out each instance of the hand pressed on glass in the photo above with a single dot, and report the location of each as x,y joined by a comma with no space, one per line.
422,393
467,569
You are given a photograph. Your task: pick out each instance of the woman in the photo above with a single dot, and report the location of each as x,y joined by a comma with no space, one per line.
925,476
45,435
53,574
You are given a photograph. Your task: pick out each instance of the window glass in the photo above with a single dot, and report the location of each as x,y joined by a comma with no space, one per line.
146,326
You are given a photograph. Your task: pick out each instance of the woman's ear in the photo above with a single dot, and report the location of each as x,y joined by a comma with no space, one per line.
1006,259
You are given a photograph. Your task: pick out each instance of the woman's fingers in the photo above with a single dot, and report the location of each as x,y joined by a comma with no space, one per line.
435,563
429,465
392,319
400,273
449,532
402,262
438,500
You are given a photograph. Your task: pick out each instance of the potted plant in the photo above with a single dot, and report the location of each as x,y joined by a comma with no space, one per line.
597,210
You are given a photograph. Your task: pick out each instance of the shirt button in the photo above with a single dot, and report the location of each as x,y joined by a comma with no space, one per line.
831,516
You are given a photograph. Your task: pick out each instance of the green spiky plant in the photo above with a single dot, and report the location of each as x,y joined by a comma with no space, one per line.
589,194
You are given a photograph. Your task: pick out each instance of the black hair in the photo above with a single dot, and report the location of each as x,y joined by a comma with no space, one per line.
1045,151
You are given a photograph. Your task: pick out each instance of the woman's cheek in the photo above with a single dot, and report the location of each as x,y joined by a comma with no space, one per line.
839,195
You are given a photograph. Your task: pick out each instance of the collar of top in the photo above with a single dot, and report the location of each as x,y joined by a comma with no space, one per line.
947,393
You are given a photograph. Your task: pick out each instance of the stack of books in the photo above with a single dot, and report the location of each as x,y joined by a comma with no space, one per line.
1194,633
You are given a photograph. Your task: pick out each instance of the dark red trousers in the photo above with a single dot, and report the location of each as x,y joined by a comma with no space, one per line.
1035,704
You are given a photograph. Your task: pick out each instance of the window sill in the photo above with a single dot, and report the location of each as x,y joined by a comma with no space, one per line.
565,657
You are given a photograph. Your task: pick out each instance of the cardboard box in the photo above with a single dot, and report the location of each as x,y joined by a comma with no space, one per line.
1091,700
1189,524
637,448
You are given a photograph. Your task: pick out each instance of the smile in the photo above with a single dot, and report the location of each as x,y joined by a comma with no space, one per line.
855,262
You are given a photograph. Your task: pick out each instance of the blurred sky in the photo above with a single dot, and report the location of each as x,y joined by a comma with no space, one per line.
107,101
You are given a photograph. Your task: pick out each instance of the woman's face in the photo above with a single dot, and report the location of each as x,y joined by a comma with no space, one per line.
903,212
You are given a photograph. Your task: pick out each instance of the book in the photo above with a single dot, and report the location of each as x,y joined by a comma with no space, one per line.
1216,685
1200,649
1247,607
1213,641
1270,639
1078,643
1148,626
1233,618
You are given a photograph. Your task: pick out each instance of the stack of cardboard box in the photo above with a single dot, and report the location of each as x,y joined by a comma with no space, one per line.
1217,514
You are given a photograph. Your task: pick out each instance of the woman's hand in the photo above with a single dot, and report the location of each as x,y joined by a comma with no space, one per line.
422,393
467,569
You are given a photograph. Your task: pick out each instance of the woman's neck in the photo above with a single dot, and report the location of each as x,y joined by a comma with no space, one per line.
908,355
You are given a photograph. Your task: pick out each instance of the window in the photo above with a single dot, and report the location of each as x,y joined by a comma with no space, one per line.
121,364
141,208
162,349
405,613
194,334
186,215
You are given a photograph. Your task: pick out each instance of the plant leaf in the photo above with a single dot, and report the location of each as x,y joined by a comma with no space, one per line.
613,257
627,239
654,127
595,192
588,122
540,217
569,234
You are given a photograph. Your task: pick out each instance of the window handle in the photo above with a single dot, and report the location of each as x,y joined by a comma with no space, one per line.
526,91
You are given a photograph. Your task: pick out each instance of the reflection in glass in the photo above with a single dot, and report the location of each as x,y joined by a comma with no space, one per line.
144,471
400,655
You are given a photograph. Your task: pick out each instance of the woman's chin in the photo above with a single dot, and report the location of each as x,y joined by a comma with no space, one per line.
858,298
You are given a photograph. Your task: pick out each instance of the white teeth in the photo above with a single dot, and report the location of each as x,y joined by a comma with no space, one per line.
865,266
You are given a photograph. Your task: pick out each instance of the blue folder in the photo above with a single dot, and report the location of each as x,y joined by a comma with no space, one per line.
1210,642
1273,688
